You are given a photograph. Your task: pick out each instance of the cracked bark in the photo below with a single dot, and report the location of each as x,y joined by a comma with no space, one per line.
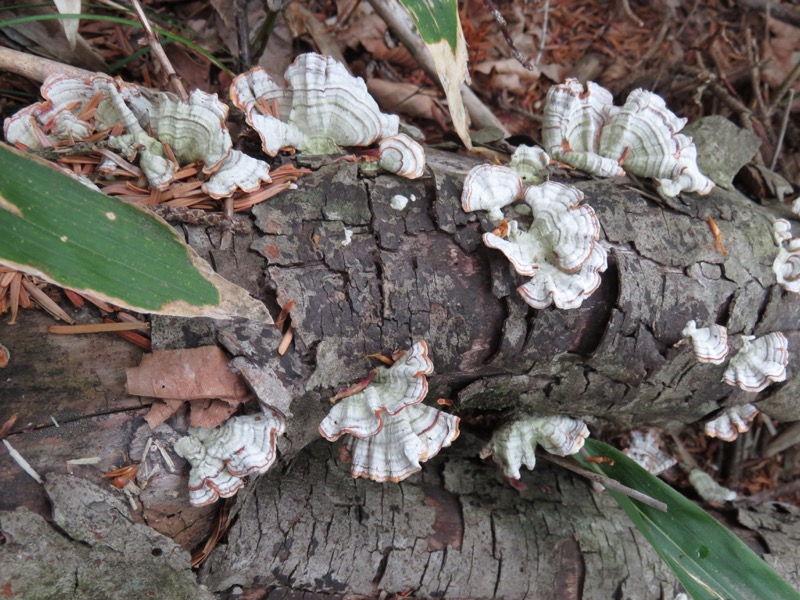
454,530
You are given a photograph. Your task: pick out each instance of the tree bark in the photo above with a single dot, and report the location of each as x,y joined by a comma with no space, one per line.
367,278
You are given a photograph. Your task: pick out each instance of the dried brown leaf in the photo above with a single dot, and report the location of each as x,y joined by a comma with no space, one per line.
189,374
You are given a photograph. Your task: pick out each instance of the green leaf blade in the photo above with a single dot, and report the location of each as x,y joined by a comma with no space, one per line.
708,559
55,227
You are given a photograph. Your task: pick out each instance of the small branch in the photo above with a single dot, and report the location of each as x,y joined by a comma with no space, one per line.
611,484
785,85
158,52
242,32
545,22
503,25
626,8
784,125
34,67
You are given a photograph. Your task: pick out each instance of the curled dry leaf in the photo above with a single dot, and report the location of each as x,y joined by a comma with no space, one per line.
709,344
200,375
322,108
731,422
514,444
220,457
644,447
759,362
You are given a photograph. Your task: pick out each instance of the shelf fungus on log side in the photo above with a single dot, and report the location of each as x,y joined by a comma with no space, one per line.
390,431
322,108
709,344
759,362
514,444
530,163
72,110
490,188
708,489
787,266
559,251
584,129
220,457
644,447
77,107
573,120
731,422
401,155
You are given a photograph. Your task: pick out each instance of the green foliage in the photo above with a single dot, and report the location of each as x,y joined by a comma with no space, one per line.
55,227
710,561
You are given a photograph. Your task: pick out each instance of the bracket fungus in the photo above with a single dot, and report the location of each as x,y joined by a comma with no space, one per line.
708,489
514,444
559,251
759,362
321,109
182,132
644,447
787,266
490,188
573,120
709,344
390,431
401,155
584,129
530,163
781,231
220,457
731,422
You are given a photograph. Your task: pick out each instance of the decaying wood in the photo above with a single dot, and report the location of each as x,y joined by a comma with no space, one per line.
423,273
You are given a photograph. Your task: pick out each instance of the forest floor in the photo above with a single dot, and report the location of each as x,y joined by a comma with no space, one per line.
706,57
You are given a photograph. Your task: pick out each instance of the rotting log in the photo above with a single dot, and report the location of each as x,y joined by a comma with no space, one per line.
423,273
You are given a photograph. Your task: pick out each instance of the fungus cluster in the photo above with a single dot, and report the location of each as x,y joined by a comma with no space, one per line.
584,129
709,344
644,448
389,430
731,422
559,251
321,109
759,362
787,263
514,444
182,132
222,456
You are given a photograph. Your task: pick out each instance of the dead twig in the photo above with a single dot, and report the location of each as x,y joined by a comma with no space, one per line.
158,52
242,32
503,25
784,125
784,87
34,67
626,8
545,22
607,482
